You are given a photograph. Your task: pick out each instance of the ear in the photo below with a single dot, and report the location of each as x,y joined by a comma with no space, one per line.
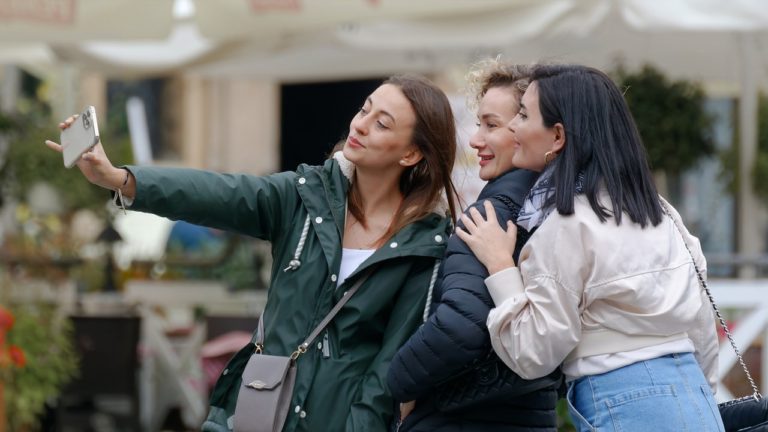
411,157
559,138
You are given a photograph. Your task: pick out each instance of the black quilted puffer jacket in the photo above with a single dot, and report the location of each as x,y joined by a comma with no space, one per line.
455,336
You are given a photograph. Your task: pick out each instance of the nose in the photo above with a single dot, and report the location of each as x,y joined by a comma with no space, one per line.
359,124
512,125
475,142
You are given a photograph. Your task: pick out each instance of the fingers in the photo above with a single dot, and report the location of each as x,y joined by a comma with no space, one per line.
512,231
463,235
490,212
406,408
469,224
68,121
89,156
511,227
53,146
477,218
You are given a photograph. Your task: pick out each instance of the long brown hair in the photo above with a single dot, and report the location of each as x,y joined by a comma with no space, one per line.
425,185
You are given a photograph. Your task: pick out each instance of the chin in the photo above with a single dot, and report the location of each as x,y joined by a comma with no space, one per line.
348,153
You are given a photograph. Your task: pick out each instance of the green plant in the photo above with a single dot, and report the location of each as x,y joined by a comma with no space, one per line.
670,115
729,157
760,165
51,361
28,161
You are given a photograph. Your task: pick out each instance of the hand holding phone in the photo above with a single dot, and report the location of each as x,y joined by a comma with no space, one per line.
94,164
80,136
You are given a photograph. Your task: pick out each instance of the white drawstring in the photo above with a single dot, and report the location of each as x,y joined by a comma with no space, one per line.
295,263
431,288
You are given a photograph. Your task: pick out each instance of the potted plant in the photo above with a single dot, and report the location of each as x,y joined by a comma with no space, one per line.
11,357
37,359
759,168
672,120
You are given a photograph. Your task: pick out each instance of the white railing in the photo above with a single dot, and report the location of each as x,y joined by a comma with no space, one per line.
751,297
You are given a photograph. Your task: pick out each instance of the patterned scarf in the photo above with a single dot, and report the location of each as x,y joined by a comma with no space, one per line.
535,209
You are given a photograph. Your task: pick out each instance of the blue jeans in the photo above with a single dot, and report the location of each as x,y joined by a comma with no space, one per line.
668,393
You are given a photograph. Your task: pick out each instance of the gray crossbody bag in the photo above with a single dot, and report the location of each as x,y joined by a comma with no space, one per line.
267,382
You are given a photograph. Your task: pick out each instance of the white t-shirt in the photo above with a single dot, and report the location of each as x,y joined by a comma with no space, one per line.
350,261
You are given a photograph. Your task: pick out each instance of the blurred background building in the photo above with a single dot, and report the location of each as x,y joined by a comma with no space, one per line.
259,86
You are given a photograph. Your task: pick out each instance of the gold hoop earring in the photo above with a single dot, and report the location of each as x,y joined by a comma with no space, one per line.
547,155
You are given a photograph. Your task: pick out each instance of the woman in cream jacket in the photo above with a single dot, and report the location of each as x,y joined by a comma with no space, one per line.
606,287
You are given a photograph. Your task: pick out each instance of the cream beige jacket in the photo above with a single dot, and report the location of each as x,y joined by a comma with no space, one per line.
586,288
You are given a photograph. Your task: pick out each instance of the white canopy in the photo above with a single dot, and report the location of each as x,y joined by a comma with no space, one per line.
321,39
295,40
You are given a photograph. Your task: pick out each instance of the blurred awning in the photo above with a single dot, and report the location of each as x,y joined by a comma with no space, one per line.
75,21
25,53
552,18
119,38
242,19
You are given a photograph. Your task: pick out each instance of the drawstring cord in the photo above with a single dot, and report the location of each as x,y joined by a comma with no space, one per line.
431,289
295,263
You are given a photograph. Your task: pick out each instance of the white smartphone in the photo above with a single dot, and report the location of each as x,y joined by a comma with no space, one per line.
80,136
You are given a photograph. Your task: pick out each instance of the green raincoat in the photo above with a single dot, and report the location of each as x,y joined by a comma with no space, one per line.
341,380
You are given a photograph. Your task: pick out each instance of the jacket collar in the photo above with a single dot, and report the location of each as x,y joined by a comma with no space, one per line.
323,190
348,169
509,184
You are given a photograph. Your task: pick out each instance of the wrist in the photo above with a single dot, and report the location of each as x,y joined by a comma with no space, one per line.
117,178
501,264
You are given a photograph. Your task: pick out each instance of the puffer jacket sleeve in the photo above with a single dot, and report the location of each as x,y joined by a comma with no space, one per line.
246,204
455,334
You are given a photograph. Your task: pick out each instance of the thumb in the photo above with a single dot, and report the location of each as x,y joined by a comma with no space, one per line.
91,157
511,229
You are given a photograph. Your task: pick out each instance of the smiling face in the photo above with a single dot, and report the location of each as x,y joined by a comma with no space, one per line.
532,138
493,140
380,134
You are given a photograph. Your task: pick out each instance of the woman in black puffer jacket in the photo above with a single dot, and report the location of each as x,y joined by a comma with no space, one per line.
455,337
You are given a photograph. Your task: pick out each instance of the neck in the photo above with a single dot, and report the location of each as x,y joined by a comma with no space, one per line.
380,192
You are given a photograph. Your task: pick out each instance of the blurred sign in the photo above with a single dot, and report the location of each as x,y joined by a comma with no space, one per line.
63,21
52,11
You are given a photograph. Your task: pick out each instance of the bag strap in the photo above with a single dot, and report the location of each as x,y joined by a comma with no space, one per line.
703,284
301,349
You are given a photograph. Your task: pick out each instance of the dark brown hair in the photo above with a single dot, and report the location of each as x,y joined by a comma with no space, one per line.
602,144
428,183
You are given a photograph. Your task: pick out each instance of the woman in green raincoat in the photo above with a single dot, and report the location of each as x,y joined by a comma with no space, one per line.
380,201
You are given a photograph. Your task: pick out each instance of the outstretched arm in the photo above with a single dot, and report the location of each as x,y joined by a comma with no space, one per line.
251,205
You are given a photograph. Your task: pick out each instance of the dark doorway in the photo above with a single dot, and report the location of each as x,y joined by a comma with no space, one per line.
315,116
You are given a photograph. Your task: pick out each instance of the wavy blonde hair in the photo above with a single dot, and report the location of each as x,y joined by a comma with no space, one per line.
494,72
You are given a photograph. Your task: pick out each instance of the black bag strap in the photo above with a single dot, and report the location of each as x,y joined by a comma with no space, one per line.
703,284
301,349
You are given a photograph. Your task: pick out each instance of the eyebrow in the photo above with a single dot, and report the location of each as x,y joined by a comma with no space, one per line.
489,115
382,111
